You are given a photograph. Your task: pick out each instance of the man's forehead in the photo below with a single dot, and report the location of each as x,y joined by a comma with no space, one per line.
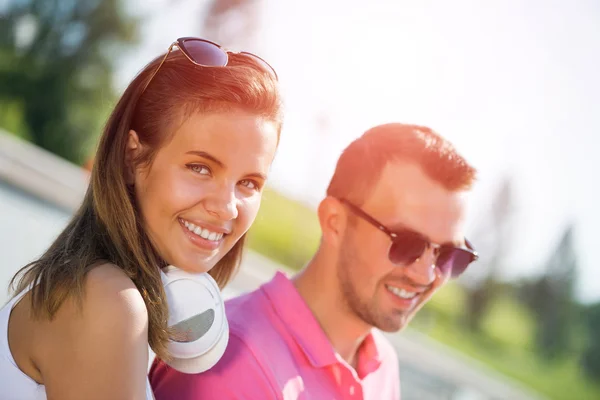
404,181
405,196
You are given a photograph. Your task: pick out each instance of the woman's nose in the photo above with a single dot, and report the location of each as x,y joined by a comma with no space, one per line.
222,203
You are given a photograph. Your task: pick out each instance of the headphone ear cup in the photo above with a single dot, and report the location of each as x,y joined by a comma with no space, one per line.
199,328
193,328
204,362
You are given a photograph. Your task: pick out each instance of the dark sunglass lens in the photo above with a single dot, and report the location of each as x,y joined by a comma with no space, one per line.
406,248
454,261
445,260
461,262
205,53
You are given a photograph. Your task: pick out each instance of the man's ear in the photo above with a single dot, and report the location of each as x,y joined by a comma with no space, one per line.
132,151
333,219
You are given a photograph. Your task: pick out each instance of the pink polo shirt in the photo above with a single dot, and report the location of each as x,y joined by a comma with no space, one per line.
277,350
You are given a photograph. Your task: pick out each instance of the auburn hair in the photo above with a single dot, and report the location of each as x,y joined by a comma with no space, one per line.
362,162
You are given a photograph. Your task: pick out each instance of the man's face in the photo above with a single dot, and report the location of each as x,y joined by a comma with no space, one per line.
379,292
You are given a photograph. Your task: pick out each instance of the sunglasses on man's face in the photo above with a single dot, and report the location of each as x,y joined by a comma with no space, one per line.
205,53
408,246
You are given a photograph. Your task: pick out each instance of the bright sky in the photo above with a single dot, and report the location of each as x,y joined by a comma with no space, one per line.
513,84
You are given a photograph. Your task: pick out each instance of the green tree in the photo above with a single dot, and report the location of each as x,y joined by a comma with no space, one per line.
56,67
590,358
494,236
551,299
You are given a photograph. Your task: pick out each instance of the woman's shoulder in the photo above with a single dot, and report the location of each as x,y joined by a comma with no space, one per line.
107,296
108,317
108,287
107,276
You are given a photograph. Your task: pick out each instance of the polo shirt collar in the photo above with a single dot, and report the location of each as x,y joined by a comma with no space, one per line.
306,331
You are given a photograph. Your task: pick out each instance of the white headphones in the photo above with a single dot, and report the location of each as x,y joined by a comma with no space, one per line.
197,315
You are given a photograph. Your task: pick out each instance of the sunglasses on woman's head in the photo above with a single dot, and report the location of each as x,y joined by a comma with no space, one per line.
408,246
205,53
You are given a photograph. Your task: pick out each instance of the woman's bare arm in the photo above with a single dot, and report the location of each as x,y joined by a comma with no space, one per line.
101,350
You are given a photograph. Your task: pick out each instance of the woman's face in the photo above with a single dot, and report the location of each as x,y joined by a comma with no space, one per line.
203,189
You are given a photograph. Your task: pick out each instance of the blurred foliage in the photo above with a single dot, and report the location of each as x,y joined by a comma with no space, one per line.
56,67
550,299
508,350
286,231
493,238
506,343
590,358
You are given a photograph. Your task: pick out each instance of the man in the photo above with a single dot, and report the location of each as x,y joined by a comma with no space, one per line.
392,234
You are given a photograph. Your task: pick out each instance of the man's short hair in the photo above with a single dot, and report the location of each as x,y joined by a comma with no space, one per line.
362,162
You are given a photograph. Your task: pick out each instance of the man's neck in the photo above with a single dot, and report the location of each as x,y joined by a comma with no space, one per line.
319,289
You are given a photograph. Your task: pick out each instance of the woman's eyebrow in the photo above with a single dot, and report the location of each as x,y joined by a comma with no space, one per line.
257,175
208,156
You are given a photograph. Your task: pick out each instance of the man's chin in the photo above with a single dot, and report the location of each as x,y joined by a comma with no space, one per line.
394,325
397,322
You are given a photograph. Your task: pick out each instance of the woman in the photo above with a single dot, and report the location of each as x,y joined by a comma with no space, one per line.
177,180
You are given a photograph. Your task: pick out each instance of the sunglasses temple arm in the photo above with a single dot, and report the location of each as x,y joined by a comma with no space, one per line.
159,65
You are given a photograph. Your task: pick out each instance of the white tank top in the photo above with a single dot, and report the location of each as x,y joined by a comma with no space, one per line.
15,384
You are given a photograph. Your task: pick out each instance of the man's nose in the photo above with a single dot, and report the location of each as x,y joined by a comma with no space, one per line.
422,271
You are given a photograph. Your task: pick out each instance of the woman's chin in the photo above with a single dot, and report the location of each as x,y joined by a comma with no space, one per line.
196,263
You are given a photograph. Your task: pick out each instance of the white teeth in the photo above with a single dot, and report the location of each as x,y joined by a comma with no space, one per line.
404,294
203,233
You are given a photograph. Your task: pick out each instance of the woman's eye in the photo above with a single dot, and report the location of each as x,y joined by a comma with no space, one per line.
199,169
250,184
